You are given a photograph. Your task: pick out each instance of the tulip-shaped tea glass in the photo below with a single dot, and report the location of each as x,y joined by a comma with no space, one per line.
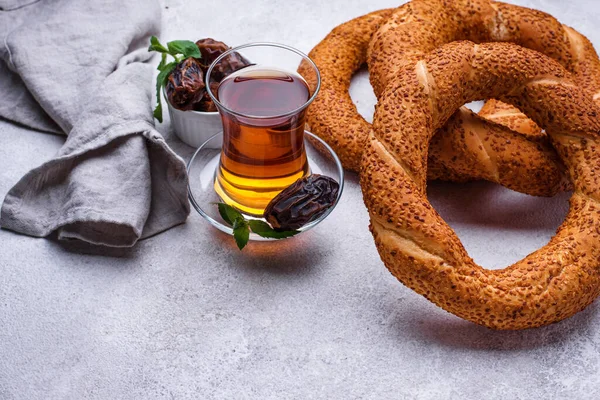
262,91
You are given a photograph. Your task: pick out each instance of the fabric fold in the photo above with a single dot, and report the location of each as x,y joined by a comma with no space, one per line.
84,65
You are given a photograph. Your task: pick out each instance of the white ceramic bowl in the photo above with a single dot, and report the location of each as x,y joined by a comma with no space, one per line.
195,127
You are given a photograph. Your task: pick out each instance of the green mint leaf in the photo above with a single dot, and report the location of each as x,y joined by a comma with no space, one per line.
156,46
229,214
161,79
238,222
164,73
158,112
263,229
241,232
241,226
185,47
163,61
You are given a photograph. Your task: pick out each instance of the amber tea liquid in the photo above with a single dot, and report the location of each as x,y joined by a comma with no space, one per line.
262,154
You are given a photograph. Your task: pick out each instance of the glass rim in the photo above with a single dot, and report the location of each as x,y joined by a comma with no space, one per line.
265,44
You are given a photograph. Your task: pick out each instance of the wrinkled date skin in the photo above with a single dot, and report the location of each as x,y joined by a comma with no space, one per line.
302,202
228,65
210,50
185,86
206,104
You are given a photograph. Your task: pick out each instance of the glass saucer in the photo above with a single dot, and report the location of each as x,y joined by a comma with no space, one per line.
205,161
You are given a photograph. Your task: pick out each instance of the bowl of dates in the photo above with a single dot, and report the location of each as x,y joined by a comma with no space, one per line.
193,114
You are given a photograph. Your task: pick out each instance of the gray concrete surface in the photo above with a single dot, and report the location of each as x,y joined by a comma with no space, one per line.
185,315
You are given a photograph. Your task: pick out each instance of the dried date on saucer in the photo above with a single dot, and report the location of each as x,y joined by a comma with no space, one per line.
185,86
302,202
297,205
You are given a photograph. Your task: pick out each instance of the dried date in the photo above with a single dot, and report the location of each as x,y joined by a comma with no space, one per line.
206,103
302,202
228,65
210,50
185,86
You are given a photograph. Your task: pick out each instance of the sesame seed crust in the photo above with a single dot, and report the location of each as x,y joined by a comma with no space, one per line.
469,146
418,246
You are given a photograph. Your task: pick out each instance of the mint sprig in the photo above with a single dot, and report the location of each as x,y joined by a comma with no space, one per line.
185,47
242,226
261,228
179,50
161,80
241,233
156,46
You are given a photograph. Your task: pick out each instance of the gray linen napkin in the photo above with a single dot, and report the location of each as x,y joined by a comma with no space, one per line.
79,67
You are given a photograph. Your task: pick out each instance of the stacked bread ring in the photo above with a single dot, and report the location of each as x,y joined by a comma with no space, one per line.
505,147
422,74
